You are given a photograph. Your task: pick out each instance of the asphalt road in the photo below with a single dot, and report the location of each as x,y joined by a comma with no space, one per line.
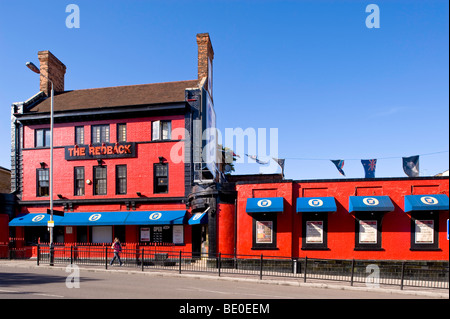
42,283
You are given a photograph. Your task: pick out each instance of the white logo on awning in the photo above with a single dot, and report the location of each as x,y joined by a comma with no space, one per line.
38,218
197,216
95,217
370,201
428,200
264,203
315,202
155,216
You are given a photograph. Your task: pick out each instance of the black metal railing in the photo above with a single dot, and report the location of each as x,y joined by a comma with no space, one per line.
429,274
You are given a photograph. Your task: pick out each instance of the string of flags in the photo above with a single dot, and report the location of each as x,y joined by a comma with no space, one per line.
410,164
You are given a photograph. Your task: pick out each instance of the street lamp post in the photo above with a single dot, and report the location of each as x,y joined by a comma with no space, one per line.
35,69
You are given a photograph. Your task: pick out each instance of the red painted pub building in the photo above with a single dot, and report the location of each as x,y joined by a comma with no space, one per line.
128,164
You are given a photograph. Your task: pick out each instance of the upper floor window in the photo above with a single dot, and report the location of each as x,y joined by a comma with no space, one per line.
100,134
99,180
42,182
121,179
121,132
79,181
161,178
42,137
161,130
79,135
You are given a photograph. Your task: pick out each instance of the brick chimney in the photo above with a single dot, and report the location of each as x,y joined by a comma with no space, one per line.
54,70
205,59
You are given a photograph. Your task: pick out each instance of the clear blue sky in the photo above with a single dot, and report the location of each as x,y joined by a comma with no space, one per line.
334,88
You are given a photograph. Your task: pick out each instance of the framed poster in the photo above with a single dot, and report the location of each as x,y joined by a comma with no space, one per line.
264,232
424,232
368,231
314,232
178,234
145,234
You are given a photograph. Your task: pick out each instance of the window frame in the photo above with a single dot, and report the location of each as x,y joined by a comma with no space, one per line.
38,187
78,130
44,139
156,186
160,130
119,133
264,217
369,216
77,180
100,140
96,180
425,215
119,179
312,217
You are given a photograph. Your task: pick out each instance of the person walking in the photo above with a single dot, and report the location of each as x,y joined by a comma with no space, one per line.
117,250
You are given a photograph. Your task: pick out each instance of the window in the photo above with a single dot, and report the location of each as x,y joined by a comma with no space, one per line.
264,231
161,178
79,181
314,231
42,137
368,230
121,179
424,230
121,132
79,135
100,134
42,182
99,180
161,130
156,234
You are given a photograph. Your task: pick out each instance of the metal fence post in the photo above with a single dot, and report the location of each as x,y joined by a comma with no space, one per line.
261,268
38,253
142,259
106,257
179,262
71,254
306,267
219,262
353,272
403,275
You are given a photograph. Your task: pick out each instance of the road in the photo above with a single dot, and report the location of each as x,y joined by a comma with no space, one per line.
41,283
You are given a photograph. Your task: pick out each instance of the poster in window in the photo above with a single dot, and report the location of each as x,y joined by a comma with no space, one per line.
178,235
424,232
314,232
264,233
145,234
368,231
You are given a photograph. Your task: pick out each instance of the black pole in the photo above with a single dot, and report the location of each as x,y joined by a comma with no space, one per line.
142,259
52,255
306,266
106,257
403,275
219,262
353,272
179,262
261,267
38,253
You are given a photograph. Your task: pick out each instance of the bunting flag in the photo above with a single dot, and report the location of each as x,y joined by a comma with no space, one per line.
257,160
280,162
411,165
339,165
369,167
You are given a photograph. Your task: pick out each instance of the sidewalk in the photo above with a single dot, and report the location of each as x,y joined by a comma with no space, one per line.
311,283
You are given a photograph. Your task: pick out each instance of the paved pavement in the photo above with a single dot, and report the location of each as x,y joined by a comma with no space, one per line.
20,278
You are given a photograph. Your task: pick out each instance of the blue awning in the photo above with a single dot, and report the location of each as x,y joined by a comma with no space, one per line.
370,204
171,217
316,204
426,202
265,205
34,220
94,219
198,219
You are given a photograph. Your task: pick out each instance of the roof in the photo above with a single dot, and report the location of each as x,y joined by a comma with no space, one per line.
131,95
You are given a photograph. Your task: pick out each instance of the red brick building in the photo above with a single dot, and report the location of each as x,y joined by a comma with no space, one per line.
125,158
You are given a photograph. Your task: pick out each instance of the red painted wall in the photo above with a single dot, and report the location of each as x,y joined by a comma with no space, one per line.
139,169
225,229
396,225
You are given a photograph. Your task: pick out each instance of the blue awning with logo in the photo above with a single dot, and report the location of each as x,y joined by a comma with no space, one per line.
171,217
198,219
265,205
370,204
34,220
316,204
426,202
94,219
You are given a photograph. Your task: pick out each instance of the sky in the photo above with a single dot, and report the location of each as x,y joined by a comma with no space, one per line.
331,87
